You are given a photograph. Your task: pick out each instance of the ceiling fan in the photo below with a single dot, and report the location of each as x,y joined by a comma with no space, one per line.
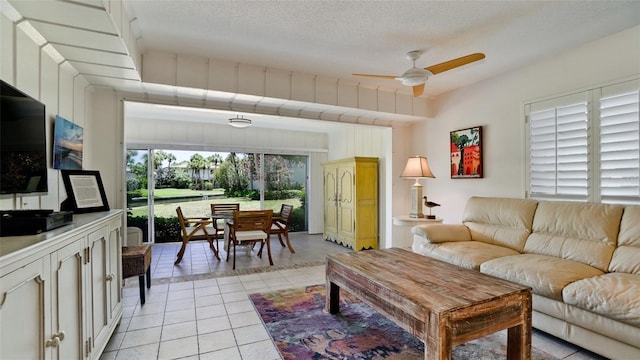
416,77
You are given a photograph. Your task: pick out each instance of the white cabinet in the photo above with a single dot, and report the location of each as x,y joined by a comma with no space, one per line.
351,202
60,291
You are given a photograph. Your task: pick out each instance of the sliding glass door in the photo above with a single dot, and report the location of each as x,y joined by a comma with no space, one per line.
158,181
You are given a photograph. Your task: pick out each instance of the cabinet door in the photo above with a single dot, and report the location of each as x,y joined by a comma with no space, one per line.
66,300
114,263
330,203
346,204
98,278
25,323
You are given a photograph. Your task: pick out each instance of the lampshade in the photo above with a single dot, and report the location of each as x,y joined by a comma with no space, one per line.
417,167
239,122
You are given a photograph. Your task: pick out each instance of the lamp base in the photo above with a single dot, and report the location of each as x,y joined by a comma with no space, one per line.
431,217
416,201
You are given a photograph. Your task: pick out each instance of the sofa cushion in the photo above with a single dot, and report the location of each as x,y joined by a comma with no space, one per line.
614,295
467,254
500,221
584,232
626,257
437,233
546,275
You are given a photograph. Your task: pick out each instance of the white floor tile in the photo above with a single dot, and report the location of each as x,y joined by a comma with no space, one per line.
179,330
244,319
213,324
262,350
144,352
249,334
178,348
141,337
175,317
205,312
239,306
216,341
145,321
224,354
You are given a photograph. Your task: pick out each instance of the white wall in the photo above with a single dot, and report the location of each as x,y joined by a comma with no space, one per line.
497,105
26,64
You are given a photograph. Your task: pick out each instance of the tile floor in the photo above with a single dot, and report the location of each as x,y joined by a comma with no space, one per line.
200,309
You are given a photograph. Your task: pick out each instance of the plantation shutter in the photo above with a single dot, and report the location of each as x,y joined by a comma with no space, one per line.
559,148
620,142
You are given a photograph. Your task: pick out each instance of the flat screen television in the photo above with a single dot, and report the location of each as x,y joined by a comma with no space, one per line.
23,146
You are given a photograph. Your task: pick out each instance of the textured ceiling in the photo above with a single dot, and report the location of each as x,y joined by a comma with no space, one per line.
337,38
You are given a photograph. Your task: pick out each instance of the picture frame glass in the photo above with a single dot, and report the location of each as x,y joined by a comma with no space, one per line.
85,191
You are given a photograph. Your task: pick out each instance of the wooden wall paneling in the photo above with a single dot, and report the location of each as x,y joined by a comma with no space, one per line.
251,79
326,90
404,103
302,87
386,101
347,93
192,71
7,32
223,75
278,84
159,68
367,98
28,68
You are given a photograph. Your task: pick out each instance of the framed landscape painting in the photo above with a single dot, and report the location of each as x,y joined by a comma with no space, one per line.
466,153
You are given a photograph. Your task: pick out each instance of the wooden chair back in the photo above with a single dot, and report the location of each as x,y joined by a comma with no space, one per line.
223,209
251,220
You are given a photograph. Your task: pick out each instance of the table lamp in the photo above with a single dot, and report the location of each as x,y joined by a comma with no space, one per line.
417,168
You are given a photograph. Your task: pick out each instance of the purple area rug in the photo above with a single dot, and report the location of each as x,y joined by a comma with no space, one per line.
300,328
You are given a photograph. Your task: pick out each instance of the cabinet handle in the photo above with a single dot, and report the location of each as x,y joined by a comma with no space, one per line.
110,277
55,339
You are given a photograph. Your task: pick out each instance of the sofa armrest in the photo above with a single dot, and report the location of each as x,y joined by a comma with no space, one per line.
437,233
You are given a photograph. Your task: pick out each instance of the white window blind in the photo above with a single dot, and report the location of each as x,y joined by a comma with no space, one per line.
586,146
559,150
619,144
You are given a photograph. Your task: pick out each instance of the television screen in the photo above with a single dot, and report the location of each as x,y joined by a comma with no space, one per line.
67,145
23,146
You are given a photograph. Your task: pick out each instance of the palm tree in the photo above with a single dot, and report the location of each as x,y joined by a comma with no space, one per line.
170,158
196,163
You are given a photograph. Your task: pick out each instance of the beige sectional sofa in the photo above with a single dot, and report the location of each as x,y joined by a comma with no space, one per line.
582,261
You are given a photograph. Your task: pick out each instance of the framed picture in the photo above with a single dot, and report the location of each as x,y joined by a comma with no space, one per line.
67,145
85,192
466,153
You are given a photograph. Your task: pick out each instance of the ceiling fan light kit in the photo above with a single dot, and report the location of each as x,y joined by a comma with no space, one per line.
239,122
417,77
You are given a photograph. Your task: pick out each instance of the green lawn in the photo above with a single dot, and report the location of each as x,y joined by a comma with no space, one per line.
203,207
171,192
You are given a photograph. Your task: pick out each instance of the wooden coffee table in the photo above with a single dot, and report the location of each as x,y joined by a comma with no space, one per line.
442,304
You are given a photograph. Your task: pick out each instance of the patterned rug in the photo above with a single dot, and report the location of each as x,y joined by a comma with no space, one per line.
302,330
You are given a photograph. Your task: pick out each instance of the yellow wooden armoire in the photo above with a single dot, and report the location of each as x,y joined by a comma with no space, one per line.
351,202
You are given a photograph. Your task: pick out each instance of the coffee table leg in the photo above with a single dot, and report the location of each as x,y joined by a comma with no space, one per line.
332,298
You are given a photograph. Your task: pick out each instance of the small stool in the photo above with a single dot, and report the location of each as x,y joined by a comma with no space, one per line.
136,260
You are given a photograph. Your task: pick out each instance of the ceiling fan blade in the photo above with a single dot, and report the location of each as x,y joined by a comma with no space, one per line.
452,64
418,90
390,77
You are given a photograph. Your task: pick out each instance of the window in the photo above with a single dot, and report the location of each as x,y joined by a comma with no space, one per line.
586,146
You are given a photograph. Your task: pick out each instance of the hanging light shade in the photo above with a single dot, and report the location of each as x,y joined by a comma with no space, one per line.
239,122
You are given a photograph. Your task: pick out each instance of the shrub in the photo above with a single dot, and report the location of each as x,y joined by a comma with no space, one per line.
167,229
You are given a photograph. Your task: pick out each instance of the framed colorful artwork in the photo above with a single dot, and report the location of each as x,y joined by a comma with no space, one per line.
466,153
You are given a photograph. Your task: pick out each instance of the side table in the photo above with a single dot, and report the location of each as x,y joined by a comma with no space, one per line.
407,223
136,261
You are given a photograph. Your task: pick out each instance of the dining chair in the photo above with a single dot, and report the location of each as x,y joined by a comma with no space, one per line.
280,225
195,228
220,213
250,227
